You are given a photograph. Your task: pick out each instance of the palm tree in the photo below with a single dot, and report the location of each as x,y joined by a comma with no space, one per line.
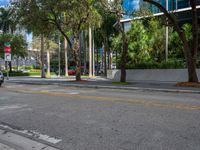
8,20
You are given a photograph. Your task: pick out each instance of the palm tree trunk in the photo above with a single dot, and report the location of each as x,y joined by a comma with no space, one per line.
66,57
105,58
42,57
90,52
77,58
48,64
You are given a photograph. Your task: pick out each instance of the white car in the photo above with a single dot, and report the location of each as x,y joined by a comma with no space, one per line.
1,78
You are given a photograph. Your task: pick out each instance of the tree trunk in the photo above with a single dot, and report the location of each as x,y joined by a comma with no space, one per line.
192,74
48,64
85,53
42,57
90,52
66,57
76,48
97,62
10,66
17,61
105,58
124,59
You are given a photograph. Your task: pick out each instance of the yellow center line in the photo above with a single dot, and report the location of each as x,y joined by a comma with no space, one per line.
113,99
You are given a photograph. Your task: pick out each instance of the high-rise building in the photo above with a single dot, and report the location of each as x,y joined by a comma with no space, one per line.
180,7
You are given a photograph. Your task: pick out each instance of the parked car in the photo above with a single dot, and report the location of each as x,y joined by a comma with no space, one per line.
1,78
71,72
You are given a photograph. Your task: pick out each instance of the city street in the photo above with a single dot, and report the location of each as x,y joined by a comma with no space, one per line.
72,118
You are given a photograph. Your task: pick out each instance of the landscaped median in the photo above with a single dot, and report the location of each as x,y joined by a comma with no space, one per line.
32,72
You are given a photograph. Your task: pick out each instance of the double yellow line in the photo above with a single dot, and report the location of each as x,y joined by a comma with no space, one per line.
145,103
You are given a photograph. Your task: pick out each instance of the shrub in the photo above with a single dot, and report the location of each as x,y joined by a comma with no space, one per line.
171,64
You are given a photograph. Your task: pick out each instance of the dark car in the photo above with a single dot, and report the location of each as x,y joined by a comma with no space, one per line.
1,78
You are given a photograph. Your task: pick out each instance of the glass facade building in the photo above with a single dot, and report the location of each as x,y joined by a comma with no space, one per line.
134,5
172,5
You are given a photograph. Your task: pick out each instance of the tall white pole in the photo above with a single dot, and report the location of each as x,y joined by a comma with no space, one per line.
90,52
48,64
66,57
59,54
167,35
93,64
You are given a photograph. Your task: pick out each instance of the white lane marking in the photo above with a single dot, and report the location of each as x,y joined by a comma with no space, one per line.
34,134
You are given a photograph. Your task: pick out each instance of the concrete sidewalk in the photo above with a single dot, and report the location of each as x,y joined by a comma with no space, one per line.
101,82
12,141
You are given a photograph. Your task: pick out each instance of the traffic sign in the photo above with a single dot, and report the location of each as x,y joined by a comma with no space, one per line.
7,57
7,49
7,44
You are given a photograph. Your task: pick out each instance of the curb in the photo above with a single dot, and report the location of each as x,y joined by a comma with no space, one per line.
111,87
11,140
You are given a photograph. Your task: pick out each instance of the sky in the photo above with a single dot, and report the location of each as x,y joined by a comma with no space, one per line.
4,2
131,5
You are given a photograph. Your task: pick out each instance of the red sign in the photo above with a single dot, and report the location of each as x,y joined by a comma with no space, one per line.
7,49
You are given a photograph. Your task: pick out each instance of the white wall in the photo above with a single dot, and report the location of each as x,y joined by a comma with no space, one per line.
164,75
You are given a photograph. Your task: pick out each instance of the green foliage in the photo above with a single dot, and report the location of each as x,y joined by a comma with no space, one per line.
175,44
18,45
156,39
8,19
49,44
171,64
138,43
147,45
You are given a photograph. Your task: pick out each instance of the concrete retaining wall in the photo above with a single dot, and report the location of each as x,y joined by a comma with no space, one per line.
164,75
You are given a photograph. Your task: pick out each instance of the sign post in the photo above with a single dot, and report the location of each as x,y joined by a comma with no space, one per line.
7,57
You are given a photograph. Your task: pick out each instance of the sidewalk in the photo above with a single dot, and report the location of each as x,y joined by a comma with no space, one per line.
12,141
101,82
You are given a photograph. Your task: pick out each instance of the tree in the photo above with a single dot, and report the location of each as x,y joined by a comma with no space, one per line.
18,46
116,8
104,34
8,20
31,16
190,52
50,46
74,16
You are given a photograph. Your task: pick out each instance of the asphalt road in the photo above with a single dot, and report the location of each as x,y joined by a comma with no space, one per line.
98,119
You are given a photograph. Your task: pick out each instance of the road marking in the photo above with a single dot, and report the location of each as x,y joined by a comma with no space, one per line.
112,99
